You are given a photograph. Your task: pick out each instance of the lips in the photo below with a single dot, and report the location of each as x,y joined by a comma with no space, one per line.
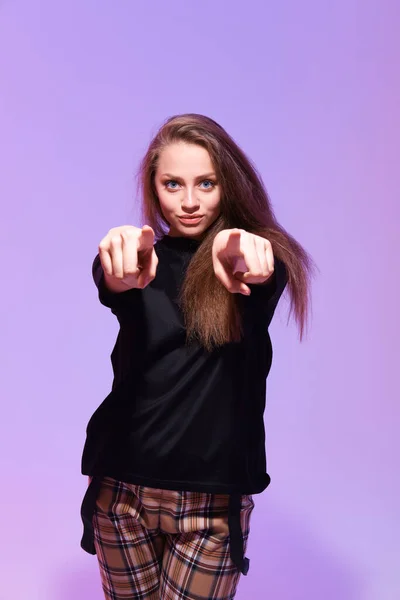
192,220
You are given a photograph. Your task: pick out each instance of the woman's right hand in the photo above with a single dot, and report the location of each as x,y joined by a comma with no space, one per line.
128,257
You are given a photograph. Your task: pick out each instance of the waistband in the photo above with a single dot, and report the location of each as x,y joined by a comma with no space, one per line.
235,528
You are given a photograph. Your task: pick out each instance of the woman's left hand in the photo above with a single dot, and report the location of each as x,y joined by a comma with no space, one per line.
240,257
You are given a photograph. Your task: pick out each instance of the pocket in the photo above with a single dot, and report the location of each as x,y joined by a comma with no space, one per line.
117,499
106,497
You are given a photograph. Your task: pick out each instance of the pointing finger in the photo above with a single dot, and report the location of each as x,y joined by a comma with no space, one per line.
233,244
146,238
129,252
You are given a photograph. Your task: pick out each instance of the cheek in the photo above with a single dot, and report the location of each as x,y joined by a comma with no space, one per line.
165,200
215,203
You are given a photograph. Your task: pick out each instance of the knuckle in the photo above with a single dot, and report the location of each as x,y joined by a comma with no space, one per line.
129,233
256,273
115,240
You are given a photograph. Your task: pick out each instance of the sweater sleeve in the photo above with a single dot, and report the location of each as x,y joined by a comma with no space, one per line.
113,300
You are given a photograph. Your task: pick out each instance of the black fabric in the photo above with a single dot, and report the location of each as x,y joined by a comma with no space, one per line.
179,417
236,535
87,511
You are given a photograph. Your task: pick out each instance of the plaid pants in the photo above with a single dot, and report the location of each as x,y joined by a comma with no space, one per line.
165,545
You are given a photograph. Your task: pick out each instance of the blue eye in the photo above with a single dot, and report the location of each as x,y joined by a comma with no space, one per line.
210,184
171,185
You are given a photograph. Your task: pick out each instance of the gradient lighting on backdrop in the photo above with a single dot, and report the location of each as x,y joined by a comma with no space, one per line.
311,92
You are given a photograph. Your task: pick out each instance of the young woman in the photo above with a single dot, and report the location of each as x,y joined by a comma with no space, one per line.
176,451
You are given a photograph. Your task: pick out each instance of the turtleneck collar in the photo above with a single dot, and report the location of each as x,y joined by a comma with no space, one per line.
184,244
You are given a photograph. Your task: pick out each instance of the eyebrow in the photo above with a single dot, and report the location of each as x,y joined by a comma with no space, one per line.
198,178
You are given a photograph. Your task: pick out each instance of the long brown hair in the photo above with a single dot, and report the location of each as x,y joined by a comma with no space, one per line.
211,312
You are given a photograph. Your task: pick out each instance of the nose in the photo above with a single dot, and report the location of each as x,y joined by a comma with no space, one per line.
189,202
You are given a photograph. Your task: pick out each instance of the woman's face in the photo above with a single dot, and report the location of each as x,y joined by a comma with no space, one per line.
187,189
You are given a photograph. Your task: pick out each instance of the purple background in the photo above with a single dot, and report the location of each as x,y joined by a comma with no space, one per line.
311,92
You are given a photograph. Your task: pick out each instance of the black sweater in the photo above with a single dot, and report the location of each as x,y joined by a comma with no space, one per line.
179,417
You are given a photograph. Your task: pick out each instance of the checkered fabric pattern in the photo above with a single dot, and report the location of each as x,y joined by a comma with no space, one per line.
165,545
